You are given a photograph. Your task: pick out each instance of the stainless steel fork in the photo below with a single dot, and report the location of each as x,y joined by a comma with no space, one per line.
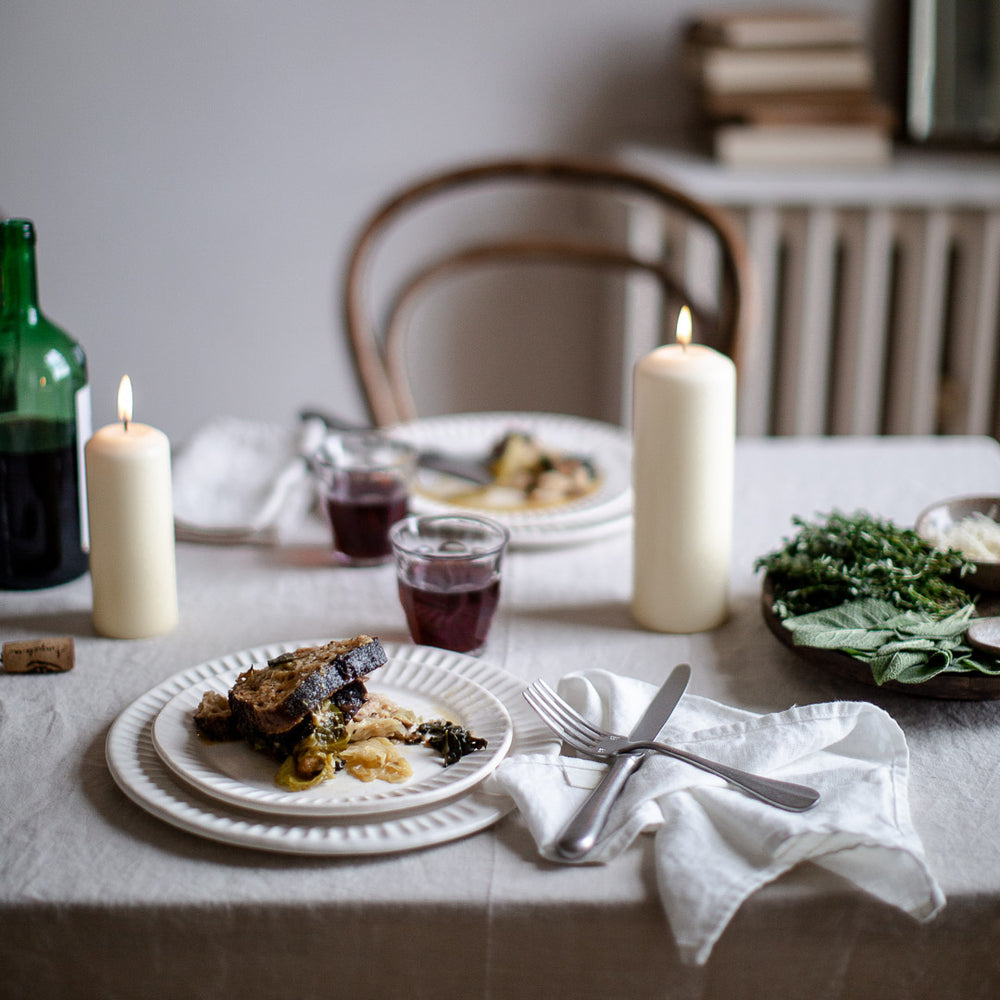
599,744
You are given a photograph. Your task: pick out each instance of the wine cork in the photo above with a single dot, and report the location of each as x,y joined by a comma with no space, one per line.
38,656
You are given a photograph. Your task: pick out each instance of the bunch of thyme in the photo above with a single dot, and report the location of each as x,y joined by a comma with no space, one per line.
847,557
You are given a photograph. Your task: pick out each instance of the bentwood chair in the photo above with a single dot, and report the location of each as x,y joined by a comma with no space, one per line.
379,332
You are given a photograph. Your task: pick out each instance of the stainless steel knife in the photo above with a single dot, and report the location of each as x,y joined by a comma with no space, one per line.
584,828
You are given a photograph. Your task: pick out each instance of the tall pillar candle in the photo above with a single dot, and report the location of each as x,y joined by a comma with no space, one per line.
130,505
684,429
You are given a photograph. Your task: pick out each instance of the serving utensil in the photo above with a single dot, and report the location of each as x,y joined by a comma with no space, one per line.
470,468
584,828
599,744
984,634
185,532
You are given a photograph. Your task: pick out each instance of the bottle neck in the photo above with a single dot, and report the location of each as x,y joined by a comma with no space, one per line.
18,275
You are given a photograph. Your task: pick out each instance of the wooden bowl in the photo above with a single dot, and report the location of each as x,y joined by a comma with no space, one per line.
966,686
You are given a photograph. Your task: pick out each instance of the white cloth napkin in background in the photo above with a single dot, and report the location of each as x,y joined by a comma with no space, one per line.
714,844
245,476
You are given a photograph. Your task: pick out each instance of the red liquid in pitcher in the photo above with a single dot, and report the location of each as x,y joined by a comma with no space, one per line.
450,605
361,524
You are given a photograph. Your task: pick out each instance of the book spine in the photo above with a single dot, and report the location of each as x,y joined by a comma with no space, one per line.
729,71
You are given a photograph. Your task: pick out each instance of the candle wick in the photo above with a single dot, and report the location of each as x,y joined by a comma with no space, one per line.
125,423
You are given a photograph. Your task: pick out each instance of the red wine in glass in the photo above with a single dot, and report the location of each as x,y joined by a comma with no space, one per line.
361,521
451,604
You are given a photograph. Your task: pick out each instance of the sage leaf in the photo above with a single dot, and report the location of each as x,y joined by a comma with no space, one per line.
857,625
906,646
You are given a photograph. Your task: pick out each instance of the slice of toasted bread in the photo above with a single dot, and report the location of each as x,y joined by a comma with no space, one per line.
272,699
214,718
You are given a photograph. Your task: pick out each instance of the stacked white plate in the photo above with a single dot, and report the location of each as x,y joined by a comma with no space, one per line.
226,791
605,511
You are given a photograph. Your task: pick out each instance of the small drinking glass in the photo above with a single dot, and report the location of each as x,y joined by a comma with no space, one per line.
364,486
448,570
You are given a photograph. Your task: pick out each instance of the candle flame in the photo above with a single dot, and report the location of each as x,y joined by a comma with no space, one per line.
684,327
125,400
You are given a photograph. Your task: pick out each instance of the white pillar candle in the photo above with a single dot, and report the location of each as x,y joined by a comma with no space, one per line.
130,505
684,429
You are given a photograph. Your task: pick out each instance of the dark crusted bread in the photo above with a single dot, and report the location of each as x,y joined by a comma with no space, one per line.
349,699
273,699
214,717
327,717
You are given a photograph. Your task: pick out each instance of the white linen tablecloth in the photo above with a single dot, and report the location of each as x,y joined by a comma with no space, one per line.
100,899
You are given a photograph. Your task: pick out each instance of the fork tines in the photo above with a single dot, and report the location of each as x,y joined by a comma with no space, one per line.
560,717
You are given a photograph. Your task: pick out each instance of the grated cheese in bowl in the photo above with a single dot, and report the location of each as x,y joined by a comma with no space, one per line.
976,536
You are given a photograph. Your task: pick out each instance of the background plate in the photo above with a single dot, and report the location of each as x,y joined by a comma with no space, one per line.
473,434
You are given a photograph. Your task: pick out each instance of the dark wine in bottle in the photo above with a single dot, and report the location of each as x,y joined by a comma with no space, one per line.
44,423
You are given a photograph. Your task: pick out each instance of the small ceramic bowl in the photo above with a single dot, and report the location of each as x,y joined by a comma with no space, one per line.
937,519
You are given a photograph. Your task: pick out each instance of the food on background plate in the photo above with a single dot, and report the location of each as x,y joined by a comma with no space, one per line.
309,709
877,592
527,475
542,474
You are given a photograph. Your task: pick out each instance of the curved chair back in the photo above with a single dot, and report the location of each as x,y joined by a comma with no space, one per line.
379,343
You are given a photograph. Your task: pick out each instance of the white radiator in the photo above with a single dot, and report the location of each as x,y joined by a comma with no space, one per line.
877,294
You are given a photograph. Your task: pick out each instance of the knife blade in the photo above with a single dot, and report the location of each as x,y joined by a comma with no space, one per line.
580,834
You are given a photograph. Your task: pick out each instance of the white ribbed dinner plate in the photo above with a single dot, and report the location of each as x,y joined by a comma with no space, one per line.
235,773
143,776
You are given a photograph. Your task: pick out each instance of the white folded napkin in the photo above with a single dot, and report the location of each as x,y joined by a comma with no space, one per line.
716,845
245,475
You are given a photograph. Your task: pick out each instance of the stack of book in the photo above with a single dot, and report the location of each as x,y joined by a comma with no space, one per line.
788,88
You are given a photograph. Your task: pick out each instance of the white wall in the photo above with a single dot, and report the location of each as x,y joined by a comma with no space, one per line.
197,168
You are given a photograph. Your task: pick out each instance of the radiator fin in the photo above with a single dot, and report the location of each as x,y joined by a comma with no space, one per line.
872,320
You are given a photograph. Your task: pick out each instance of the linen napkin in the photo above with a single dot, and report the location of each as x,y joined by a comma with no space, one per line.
237,475
714,844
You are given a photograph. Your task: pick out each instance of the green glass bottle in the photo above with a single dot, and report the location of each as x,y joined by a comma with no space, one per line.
44,424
